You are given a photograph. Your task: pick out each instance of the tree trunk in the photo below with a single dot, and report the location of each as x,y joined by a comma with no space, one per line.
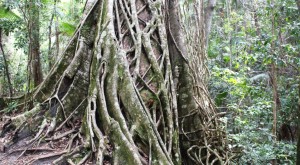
50,55
35,69
298,127
298,4
115,76
7,74
209,11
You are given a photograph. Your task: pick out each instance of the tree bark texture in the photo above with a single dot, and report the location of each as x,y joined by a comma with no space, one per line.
209,11
126,77
298,128
34,43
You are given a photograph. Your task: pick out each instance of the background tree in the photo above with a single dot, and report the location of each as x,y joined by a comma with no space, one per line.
35,70
8,22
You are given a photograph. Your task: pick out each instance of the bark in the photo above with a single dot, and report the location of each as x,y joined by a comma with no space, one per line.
196,112
34,43
7,74
209,10
115,76
298,4
50,58
57,41
276,100
273,72
256,22
182,79
298,128
298,143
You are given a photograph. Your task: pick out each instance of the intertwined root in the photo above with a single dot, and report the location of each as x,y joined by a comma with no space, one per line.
96,87
112,94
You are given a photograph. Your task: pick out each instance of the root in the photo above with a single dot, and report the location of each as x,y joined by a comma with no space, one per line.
18,121
38,135
66,155
57,137
84,159
46,156
99,77
32,150
69,117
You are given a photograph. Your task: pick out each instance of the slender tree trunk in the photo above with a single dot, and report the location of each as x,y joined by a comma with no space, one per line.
57,42
298,127
6,66
273,75
34,43
209,11
256,22
298,4
50,54
276,100
298,130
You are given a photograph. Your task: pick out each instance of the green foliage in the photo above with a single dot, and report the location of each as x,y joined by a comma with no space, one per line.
12,106
67,28
8,20
60,16
5,13
241,53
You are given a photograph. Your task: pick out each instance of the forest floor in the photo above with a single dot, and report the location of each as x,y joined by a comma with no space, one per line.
20,153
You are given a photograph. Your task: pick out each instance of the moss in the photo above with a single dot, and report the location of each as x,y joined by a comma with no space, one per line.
176,147
84,126
120,73
124,152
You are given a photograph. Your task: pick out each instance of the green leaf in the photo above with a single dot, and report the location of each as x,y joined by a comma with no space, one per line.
5,13
226,57
67,28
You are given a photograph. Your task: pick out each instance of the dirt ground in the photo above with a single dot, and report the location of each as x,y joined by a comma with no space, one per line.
22,154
